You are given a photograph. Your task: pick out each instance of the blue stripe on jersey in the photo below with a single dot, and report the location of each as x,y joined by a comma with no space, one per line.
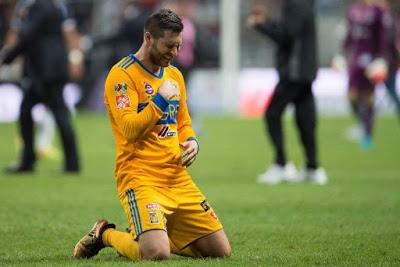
160,102
141,106
169,116
159,75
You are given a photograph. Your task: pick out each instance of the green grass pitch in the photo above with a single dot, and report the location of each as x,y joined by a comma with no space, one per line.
352,221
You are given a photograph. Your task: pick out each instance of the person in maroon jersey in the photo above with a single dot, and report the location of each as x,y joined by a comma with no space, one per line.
365,47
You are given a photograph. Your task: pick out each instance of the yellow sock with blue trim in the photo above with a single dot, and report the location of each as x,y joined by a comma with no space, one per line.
122,242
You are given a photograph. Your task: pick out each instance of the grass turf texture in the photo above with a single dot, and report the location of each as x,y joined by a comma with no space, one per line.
352,221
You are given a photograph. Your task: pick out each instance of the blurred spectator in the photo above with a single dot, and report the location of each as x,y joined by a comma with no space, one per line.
41,27
129,36
111,45
365,48
296,63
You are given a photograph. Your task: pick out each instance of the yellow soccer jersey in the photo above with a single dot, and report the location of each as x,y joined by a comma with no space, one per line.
147,128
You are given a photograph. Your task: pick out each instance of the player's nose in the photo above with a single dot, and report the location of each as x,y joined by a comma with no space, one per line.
174,51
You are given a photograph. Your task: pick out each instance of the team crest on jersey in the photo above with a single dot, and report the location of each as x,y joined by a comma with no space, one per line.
121,88
123,101
148,89
153,217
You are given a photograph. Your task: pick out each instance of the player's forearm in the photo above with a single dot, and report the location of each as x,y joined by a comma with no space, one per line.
185,132
135,125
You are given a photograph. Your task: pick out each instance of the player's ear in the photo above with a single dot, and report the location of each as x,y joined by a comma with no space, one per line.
147,37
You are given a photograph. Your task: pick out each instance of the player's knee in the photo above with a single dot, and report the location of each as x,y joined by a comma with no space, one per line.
156,253
224,252
219,253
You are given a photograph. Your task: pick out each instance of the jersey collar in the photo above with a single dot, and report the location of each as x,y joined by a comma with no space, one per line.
159,75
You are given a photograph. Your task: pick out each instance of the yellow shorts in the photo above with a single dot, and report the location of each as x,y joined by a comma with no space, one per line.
183,212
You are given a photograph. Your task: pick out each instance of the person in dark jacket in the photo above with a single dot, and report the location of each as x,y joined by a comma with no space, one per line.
296,63
43,25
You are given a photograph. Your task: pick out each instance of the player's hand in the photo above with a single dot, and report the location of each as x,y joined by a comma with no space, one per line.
258,15
190,149
169,89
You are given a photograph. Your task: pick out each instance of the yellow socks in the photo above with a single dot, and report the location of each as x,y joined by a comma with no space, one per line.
122,242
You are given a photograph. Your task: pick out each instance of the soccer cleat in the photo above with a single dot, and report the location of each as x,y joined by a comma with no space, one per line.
276,174
366,142
317,176
92,243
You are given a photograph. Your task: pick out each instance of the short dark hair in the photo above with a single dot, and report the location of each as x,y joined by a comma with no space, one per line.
161,21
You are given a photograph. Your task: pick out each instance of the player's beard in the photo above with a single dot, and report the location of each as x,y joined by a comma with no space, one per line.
157,58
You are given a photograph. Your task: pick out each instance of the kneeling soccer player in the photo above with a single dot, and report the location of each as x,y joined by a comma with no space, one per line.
146,101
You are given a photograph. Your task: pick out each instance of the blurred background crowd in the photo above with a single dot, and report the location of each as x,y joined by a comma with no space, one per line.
111,29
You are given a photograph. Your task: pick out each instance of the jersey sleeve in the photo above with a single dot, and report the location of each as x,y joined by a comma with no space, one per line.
121,98
185,130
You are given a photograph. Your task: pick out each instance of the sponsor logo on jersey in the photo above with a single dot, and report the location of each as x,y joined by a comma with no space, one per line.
169,115
153,217
121,88
123,101
153,206
205,205
165,132
148,89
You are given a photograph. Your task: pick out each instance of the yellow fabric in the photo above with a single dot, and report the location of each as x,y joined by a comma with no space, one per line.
188,251
147,138
182,211
122,242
